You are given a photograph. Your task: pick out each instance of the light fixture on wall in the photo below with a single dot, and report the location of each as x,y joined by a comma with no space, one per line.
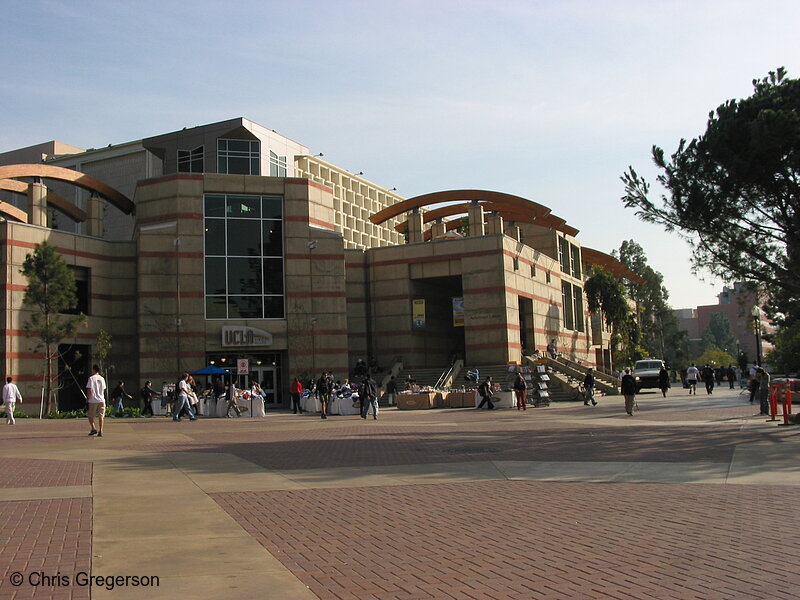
211,362
311,244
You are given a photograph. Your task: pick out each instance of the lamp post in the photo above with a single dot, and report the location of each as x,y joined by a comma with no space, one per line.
757,324
313,321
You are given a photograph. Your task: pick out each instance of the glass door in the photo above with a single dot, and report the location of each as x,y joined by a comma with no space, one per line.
266,377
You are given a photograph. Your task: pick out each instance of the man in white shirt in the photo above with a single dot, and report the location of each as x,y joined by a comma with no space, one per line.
692,375
11,396
96,399
182,393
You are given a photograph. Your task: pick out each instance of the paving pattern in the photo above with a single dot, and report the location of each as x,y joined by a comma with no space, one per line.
507,539
691,498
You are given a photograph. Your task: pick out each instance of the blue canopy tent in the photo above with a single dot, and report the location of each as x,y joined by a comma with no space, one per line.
210,370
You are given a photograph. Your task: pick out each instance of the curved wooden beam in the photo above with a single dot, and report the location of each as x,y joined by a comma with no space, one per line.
58,202
456,196
590,256
511,212
82,180
13,212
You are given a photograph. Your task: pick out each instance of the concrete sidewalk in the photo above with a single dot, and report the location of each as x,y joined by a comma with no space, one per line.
203,507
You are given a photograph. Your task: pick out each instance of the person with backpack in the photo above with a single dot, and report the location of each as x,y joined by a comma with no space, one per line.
147,393
588,388
119,394
369,396
324,393
520,388
486,392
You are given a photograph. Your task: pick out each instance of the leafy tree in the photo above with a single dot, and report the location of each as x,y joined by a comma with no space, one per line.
660,334
785,358
103,344
716,358
51,290
718,334
734,192
605,294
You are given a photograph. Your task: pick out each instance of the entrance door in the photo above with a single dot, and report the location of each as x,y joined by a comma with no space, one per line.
267,379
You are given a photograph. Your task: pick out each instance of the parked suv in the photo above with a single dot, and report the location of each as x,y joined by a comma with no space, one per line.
645,372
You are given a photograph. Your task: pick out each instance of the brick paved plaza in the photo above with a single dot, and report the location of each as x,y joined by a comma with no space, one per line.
694,497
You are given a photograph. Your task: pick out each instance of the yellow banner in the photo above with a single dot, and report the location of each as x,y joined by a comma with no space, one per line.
418,313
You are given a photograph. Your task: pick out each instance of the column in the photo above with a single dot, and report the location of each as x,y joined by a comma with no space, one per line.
415,233
37,203
94,221
476,219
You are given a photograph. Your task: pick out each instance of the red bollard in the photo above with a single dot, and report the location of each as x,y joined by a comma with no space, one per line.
787,404
773,402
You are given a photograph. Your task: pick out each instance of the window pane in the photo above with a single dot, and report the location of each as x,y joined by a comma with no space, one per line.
222,164
238,166
215,276
272,244
238,145
215,206
215,237
273,276
197,165
244,276
255,167
244,237
245,307
244,206
273,307
216,307
272,208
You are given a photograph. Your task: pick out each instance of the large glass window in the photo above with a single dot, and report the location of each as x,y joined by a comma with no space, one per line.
567,306
563,254
277,165
238,157
244,257
191,161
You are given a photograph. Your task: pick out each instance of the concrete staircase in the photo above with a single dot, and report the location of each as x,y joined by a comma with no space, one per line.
573,373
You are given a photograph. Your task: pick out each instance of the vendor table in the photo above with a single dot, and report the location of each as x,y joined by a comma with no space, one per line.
500,400
344,406
418,401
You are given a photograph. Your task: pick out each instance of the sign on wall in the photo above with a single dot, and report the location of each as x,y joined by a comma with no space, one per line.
458,311
418,313
245,336
242,366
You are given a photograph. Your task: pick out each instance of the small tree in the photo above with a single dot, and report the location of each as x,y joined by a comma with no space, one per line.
103,344
51,290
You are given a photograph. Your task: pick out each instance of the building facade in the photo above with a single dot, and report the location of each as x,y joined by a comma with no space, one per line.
228,242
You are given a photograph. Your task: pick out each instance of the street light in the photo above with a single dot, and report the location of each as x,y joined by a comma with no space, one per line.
756,312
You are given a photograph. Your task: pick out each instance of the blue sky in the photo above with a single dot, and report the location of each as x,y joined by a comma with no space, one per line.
549,100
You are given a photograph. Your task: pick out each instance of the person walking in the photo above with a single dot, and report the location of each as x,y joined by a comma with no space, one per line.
391,391
96,401
551,349
763,390
146,394
230,397
119,394
708,378
183,393
324,394
369,397
520,387
692,375
663,381
731,374
295,391
588,388
11,396
486,392
628,386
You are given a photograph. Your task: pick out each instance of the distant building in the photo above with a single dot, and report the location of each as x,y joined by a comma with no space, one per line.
736,304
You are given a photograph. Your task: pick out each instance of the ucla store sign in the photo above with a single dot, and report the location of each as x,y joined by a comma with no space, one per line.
245,336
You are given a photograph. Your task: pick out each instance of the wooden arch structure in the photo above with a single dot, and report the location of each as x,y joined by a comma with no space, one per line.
58,202
591,256
510,207
10,173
